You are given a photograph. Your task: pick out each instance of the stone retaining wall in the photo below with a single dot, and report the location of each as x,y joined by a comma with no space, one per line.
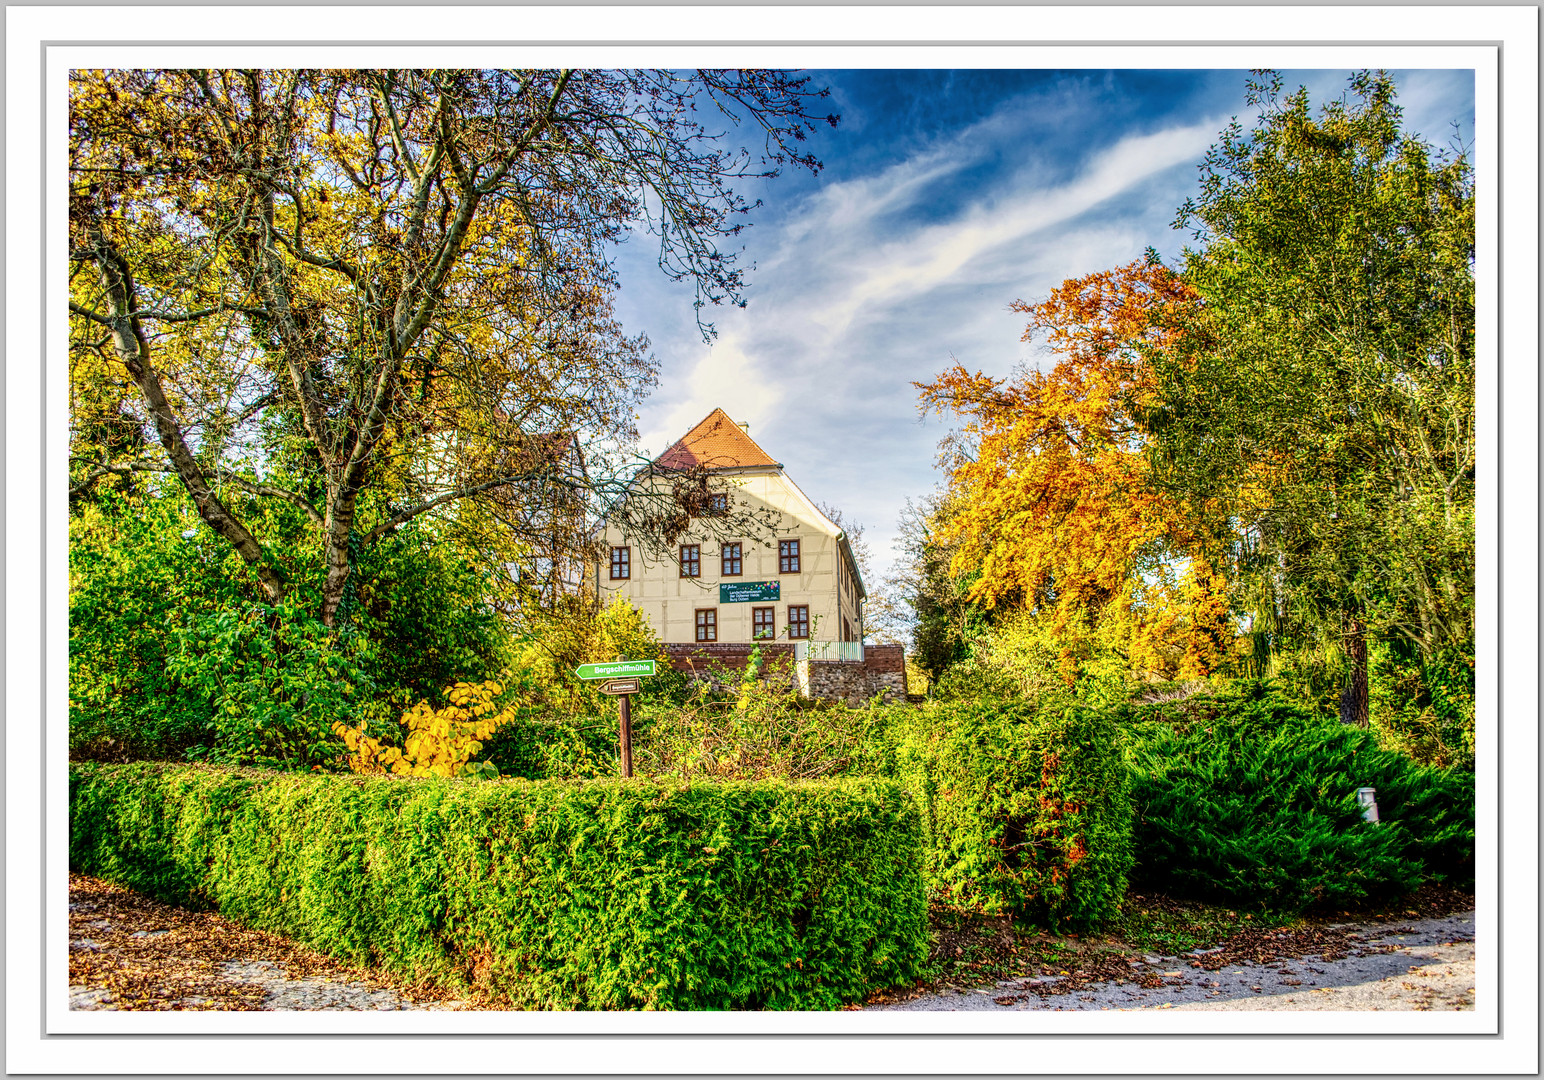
882,671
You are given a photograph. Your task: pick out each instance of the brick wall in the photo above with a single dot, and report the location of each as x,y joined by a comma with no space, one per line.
885,658
693,657
883,670
723,664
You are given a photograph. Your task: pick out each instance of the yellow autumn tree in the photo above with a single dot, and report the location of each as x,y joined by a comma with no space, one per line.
1053,510
379,295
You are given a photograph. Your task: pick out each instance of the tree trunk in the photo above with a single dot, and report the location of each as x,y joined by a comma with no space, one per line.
339,530
133,349
1353,699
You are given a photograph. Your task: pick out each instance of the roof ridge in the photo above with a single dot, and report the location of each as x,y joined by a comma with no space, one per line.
717,441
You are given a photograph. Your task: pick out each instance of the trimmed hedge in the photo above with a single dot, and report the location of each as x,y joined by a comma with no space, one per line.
550,895
1249,799
1023,811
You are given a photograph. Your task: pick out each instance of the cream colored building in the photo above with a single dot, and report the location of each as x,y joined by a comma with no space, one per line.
791,579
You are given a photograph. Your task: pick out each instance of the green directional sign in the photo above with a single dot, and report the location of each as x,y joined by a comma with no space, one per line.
617,669
749,592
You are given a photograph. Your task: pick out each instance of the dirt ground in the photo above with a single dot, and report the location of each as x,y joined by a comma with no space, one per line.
128,952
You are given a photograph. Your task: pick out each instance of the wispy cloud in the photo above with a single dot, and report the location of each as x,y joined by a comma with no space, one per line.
883,272
870,282
871,285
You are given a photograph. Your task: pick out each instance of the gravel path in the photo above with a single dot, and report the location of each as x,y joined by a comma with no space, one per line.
130,952
1422,965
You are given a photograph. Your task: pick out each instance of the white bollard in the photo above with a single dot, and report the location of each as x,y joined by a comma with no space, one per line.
1368,798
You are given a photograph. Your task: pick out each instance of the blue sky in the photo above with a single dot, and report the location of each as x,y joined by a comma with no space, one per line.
946,195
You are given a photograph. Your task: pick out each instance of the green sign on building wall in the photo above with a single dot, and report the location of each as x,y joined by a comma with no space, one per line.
748,592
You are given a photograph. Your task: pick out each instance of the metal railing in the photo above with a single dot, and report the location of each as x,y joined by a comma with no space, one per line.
847,651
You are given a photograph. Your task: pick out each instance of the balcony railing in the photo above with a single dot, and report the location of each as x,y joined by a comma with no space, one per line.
848,651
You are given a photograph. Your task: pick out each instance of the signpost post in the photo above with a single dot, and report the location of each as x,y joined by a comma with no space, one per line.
625,733
622,682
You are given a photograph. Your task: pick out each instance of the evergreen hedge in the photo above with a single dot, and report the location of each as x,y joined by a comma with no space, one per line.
1023,810
554,895
1249,799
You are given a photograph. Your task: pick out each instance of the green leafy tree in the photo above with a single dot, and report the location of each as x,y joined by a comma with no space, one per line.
1325,399
170,658
927,601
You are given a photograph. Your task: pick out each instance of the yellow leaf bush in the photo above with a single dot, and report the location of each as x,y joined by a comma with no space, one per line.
439,742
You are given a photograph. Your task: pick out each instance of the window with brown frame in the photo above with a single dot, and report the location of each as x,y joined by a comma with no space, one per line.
731,560
763,623
707,624
691,560
799,621
718,505
788,556
621,563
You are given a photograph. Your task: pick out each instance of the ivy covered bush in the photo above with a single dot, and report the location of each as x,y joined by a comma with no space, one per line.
761,732
548,895
541,744
1023,810
1247,798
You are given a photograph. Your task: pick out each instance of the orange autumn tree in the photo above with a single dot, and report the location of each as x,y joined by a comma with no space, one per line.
1055,515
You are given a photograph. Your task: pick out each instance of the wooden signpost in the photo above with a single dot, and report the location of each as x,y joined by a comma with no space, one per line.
622,681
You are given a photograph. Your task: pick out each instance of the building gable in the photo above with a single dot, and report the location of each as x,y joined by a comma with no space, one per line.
767,566
716,443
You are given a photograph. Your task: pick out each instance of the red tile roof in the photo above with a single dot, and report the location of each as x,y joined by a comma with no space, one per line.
718,443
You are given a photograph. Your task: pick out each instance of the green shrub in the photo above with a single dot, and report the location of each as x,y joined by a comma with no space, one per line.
1248,798
133,580
543,745
1024,811
1423,705
274,679
173,653
599,895
764,732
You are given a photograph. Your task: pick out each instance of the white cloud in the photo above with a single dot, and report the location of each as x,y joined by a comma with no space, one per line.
909,266
724,377
868,287
875,281
1434,100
